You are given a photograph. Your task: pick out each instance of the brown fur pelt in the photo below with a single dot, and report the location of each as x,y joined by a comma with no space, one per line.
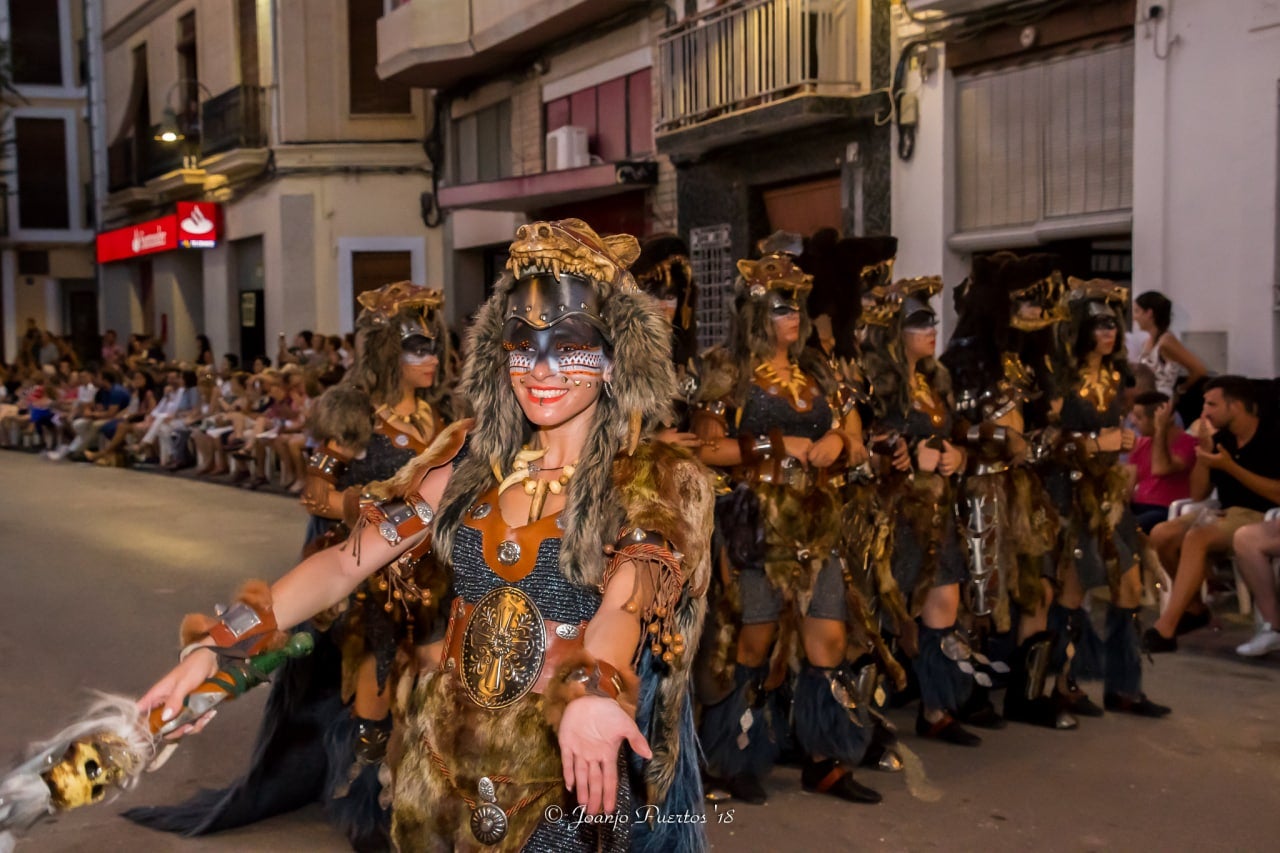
924,502
343,415
257,595
663,488
718,648
1098,504
562,689
642,387
718,379
442,450
428,812
865,531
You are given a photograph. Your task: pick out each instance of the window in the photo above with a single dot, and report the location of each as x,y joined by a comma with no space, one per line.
35,42
247,31
188,74
43,197
618,116
482,145
369,94
1045,141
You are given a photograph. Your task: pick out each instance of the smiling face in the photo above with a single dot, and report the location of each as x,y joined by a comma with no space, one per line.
557,372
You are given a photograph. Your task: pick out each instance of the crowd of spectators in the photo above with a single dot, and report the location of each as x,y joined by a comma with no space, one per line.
132,405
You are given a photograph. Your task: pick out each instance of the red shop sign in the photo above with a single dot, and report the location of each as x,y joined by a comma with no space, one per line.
194,225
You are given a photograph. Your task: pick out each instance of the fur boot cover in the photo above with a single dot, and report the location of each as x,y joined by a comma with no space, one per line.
1123,664
824,726
738,733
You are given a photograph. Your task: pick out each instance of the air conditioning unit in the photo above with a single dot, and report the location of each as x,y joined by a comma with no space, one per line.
567,148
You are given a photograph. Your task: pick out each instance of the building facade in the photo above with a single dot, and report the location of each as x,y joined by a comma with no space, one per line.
46,186
546,110
307,169
1137,140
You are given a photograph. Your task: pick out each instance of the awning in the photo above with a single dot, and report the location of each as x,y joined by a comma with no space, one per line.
550,189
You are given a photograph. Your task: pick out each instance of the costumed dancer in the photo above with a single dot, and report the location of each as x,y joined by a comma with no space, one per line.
1003,402
327,720
579,556
664,272
843,272
1100,536
914,414
767,416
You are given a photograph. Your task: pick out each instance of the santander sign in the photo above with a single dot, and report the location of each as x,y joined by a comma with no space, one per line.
192,225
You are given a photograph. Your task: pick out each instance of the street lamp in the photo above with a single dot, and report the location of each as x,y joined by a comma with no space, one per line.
170,129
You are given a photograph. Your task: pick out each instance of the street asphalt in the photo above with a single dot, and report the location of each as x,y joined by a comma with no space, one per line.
98,566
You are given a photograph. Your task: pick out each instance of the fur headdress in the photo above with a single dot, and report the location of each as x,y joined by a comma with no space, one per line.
388,315
884,311
1094,302
664,272
843,272
638,395
989,325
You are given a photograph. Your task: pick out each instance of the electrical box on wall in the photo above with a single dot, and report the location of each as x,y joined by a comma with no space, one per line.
567,148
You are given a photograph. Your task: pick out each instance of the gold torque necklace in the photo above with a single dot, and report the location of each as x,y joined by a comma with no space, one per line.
793,386
1099,387
421,419
525,471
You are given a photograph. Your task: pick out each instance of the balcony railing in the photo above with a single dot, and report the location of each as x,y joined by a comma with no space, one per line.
754,52
234,119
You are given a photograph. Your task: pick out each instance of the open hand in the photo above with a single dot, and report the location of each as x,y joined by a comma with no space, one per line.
591,733
1218,460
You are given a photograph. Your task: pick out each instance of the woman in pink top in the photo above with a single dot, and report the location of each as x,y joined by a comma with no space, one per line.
1162,459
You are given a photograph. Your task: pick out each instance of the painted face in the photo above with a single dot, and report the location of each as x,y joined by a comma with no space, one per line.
557,372
1104,335
919,341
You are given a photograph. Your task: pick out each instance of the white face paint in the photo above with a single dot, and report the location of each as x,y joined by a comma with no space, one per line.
556,373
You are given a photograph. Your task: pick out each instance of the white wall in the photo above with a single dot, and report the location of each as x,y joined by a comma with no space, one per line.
1205,182
923,193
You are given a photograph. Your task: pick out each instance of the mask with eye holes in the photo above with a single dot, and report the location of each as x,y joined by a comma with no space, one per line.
555,320
417,343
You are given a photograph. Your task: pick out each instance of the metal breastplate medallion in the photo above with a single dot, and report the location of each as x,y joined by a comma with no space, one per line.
503,648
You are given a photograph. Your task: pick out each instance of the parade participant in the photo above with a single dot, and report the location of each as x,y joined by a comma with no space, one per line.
385,412
767,417
1089,488
577,554
1010,524
913,408
663,271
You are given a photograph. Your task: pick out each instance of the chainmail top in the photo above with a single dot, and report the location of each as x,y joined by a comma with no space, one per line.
764,412
1079,414
557,599
917,424
381,460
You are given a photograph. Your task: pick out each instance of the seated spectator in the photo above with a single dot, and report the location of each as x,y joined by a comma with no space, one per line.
110,403
71,408
142,401
172,435
1256,546
1241,460
149,428
1162,458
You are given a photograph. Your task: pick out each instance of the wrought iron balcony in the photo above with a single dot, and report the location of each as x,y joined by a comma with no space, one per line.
758,52
234,119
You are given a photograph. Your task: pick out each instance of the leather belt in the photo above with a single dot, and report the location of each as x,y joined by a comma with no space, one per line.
564,641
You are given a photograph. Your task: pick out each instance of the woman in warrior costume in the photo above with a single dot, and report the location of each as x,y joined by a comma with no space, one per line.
663,271
579,557
767,415
913,406
1010,524
327,722
1099,541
